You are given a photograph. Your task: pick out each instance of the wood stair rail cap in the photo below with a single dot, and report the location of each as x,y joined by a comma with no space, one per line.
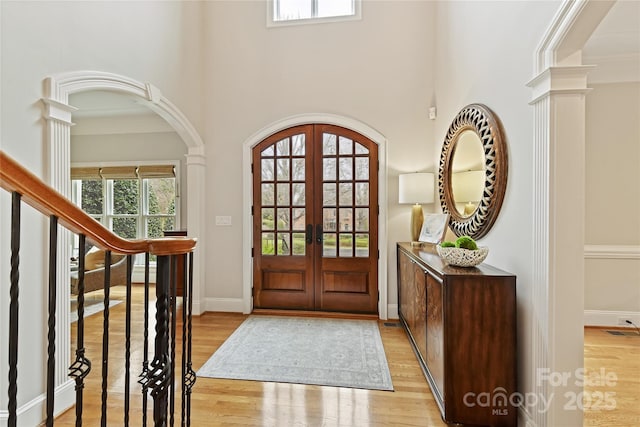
34,192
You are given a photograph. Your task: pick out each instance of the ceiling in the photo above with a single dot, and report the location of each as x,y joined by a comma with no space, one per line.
615,45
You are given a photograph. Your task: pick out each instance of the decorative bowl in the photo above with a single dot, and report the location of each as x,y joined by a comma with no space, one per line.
461,257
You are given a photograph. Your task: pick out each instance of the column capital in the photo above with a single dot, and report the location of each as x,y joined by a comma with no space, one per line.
58,111
560,80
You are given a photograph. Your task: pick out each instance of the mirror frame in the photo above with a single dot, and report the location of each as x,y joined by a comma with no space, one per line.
480,119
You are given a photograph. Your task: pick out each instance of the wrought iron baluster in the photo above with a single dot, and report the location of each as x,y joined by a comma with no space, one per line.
105,337
51,323
14,291
183,389
81,366
174,303
160,367
190,378
144,375
127,361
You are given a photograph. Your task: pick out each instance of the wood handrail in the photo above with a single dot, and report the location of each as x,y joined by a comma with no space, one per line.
34,192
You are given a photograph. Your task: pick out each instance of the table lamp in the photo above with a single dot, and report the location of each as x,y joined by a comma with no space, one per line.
416,188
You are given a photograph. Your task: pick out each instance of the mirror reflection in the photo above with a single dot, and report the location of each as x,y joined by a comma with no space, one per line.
467,173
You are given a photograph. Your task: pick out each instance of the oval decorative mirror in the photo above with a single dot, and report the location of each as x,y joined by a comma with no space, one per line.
472,176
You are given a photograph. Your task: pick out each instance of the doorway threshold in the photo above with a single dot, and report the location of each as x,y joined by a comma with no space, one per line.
311,313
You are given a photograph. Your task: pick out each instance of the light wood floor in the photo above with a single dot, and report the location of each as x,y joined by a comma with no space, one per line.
250,403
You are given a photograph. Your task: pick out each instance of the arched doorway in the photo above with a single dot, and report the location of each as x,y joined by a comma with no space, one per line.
315,221
330,119
57,115
559,89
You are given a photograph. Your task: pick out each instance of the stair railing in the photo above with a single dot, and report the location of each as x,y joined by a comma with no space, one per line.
158,371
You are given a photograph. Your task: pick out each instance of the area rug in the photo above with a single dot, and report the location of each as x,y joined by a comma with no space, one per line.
90,308
303,350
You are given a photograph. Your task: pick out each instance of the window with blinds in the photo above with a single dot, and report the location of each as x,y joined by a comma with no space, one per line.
132,201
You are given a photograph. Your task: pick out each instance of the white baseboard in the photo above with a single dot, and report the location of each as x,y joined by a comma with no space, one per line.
137,275
33,412
392,311
610,318
229,305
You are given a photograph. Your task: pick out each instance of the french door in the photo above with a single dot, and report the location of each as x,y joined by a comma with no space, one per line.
315,220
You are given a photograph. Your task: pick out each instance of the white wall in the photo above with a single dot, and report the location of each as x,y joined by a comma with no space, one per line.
612,195
378,70
156,42
485,55
132,147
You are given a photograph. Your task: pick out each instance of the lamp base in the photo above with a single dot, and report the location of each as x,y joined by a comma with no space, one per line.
417,218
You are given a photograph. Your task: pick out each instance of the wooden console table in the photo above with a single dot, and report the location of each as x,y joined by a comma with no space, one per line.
462,325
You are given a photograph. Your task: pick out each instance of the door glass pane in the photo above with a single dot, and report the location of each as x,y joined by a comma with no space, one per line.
283,195
268,246
267,170
298,170
329,245
283,244
298,219
346,169
346,245
329,219
267,218
282,147
328,144
298,145
328,194
361,149
268,152
362,193
345,145
329,169
299,244
362,219
284,222
346,219
298,194
126,228
346,194
125,197
283,169
362,245
362,168
267,194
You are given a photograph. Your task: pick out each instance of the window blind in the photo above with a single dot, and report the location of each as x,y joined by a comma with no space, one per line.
124,172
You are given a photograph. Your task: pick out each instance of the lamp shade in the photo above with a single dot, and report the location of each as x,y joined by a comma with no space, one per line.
467,186
415,188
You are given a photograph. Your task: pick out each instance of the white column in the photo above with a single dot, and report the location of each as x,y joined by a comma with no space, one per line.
196,225
558,264
58,134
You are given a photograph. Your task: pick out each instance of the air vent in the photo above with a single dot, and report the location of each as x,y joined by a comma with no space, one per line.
392,324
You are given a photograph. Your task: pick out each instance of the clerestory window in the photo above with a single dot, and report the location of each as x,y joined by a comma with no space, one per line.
286,12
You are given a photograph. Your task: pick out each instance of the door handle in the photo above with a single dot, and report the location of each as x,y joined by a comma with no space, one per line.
309,236
319,233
